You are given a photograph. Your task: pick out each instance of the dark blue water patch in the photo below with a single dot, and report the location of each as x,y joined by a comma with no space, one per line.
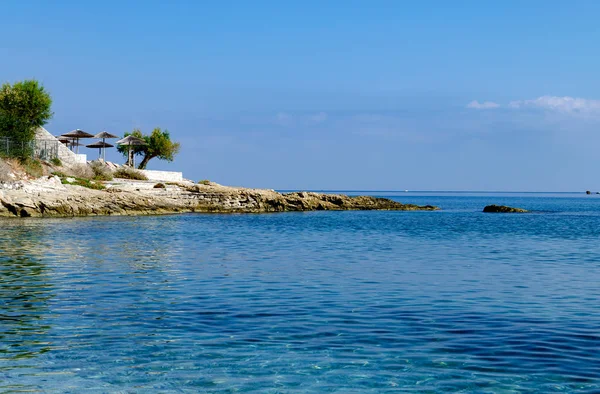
450,301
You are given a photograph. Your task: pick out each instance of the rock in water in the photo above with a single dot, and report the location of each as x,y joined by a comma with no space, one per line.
503,209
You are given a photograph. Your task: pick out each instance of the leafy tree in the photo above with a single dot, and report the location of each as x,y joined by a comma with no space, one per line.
24,106
158,144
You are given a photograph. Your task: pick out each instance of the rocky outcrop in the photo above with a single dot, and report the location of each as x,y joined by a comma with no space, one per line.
47,197
503,209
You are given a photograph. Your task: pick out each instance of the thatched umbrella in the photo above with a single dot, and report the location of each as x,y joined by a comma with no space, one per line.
77,135
104,135
101,145
63,140
130,141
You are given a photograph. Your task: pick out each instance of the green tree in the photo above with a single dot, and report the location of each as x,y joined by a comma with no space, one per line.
24,106
158,145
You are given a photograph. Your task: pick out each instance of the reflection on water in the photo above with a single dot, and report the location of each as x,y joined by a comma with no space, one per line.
452,301
25,294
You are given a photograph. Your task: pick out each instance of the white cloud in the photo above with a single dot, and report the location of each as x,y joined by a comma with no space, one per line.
559,104
291,119
318,117
485,105
283,119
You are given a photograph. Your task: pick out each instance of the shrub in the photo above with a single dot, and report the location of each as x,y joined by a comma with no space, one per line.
101,173
82,171
5,169
32,167
160,186
129,173
204,182
56,161
59,174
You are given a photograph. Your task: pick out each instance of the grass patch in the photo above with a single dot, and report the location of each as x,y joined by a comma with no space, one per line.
56,162
83,182
204,182
32,167
160,186
129,173
64,179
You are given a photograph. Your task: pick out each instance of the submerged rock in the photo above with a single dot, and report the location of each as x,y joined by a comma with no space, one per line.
503,209
49,198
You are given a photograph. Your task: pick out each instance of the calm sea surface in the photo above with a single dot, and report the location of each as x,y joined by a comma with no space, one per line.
428,302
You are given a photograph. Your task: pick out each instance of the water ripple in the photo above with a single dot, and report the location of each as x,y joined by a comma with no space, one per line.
451,301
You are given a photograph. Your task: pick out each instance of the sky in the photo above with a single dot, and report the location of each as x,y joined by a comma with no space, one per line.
328,95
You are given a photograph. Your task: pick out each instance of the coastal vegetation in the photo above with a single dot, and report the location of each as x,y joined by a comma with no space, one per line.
158,145
101,173
87,183
32,167
24,106
129,173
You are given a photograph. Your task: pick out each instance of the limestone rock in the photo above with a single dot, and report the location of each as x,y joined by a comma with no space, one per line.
48,197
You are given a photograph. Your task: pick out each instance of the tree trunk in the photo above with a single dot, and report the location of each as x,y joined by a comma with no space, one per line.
145,161
130,157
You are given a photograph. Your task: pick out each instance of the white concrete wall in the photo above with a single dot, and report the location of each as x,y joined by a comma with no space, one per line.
165,176
80,158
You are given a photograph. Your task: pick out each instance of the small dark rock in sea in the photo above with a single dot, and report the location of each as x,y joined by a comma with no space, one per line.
503,209
588,192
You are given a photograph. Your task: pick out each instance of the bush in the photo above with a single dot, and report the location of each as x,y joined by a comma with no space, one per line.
160,186
5,169
204,182
56,161
129,173
82,171
32,167
101,173
24,106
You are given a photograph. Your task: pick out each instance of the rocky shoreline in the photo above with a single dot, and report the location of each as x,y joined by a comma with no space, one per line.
48,197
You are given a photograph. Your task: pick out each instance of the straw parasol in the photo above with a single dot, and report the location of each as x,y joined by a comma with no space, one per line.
77,134
101,145
130,141
104,135
63,140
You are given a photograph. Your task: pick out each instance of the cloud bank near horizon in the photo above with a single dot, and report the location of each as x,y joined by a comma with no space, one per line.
484,105
565,104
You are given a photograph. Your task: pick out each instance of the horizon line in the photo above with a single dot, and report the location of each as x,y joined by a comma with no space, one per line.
428,191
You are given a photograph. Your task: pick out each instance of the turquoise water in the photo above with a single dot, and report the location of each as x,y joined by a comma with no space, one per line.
450,301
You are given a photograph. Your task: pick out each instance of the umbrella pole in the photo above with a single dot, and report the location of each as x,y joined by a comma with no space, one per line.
103,151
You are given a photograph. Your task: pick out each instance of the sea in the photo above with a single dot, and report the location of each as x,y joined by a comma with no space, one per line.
453,301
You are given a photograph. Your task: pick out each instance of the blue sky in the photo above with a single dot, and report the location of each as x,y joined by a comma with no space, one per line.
368,95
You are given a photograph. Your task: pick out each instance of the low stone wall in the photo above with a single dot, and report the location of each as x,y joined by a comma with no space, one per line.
165,176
